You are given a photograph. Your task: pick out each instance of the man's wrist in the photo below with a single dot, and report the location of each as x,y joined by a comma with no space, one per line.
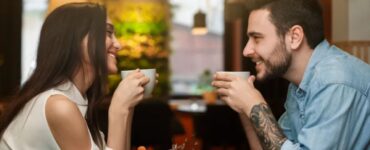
248,109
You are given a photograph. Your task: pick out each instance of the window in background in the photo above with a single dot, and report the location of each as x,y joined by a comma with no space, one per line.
194,55
33,17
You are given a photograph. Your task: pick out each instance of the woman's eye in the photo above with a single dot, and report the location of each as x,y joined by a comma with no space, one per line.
110,33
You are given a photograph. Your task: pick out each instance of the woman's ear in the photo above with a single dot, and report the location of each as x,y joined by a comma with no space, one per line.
296,36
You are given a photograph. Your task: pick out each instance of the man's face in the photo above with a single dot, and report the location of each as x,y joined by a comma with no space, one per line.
265,47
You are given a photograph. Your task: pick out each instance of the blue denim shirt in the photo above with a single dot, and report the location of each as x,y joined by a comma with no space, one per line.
330,109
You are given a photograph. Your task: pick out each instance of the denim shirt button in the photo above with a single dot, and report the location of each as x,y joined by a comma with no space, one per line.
300,93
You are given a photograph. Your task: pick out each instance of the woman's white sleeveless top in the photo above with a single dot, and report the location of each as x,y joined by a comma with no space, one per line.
30,130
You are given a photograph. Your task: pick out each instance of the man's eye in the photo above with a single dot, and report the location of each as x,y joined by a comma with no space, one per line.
257,39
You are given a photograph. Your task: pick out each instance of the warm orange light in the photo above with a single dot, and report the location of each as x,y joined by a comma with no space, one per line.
199,31
199,26
56,3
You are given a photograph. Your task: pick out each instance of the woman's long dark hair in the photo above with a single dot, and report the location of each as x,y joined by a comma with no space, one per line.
60,56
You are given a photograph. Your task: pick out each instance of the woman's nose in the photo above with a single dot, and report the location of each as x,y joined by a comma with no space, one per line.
116,44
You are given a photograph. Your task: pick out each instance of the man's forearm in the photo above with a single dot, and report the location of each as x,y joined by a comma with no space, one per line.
253,141
268,131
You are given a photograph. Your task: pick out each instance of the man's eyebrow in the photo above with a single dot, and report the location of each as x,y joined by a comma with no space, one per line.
253,34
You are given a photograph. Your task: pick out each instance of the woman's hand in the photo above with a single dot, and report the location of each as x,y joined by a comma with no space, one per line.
128,94
130,91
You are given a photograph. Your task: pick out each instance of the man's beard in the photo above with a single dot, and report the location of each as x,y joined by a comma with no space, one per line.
278,63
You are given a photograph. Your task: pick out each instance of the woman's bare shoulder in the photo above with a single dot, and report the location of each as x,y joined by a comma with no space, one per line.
66,123
60,106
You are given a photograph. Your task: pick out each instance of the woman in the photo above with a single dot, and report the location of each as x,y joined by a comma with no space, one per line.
56,107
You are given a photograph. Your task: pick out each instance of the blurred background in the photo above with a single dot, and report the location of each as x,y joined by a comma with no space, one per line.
186,41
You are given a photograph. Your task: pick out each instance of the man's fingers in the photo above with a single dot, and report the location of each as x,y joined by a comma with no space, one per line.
221,84
223,77
251,80
222,92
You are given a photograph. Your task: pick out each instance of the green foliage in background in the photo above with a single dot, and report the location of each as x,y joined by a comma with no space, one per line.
142,28
205,83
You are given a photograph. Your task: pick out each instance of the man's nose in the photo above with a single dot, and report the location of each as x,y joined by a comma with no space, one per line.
248,49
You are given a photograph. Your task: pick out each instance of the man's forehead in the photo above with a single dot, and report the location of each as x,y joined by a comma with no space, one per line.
259,21
259,16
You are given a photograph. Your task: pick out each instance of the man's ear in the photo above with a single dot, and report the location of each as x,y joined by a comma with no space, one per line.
296,36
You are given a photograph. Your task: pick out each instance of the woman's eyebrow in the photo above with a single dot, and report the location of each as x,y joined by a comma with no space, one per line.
110,26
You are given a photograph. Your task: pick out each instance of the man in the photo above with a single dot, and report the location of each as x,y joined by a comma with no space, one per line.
328,102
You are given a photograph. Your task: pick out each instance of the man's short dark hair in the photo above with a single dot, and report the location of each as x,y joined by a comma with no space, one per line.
306,13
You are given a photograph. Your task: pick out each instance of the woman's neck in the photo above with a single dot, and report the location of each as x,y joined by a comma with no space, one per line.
83,80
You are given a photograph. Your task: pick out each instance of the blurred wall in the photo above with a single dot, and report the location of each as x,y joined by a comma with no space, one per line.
340,20
351,20
359,20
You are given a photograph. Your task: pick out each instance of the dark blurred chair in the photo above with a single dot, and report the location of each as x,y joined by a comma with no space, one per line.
220,126
152,125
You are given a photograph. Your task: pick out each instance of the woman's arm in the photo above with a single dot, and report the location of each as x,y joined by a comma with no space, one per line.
67,124
129,127
128,94
119,129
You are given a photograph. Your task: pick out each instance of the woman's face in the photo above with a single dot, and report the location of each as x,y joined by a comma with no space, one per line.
112,46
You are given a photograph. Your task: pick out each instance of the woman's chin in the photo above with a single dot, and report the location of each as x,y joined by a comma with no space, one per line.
112,70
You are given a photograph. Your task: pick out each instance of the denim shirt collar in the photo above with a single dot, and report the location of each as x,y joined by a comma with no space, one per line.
319,53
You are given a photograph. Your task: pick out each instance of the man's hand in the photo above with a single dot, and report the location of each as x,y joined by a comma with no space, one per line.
240,94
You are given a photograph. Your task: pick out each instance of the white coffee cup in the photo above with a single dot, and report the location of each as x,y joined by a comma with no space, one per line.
240,74
150,73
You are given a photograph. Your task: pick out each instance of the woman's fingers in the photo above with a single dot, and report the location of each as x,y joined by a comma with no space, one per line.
144,80
134,75
156,78
133,72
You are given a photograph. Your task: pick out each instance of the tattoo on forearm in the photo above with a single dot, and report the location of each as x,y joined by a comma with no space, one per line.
267,128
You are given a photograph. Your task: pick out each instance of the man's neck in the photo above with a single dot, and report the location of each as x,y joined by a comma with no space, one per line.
298,66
